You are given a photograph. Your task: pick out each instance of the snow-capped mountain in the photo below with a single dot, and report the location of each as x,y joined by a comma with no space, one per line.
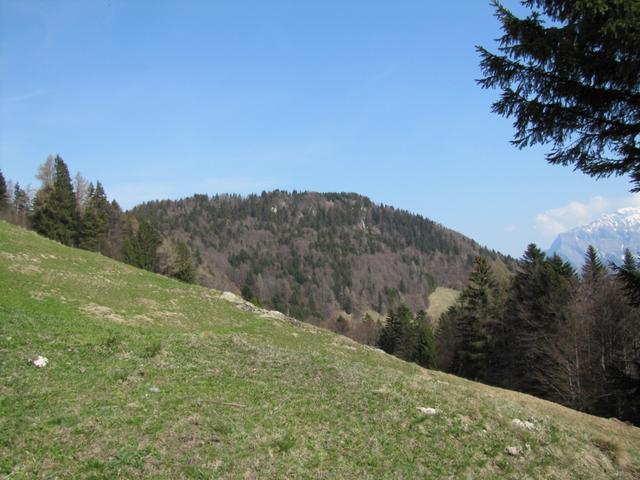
610,234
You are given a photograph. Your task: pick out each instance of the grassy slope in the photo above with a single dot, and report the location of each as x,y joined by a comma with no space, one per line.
152,378
441,300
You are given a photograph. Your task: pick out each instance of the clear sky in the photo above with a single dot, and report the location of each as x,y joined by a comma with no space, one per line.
163,99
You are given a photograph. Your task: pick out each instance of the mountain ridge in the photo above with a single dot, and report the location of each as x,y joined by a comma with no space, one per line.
610,235
318,255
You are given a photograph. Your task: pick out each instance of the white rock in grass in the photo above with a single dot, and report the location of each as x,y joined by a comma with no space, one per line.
514,451
516,422
154,390
428,411
41,361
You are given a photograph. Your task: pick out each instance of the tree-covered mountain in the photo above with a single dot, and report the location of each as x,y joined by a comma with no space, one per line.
318,255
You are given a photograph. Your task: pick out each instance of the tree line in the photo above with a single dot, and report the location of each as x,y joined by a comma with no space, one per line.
78,213
551,332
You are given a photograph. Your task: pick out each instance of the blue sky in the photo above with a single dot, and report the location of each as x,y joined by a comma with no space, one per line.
163,99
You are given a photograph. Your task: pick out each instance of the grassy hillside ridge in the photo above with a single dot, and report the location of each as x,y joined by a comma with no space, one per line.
152,378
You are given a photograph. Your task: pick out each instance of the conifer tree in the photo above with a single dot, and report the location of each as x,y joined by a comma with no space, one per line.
87,223
114,243
569,73
425,349
185,270
593,269
54,209
446,338
476,321
629,277
4,193
390,333
537,307
398,336
94,223
140,248
21,201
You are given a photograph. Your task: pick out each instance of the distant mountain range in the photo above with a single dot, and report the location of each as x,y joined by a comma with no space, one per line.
318,255
610,234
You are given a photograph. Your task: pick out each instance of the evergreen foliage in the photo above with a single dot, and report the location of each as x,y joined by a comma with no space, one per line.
4,193
425,349
94,223
21,201
184,269
476,320
409,337
570,75
541,290
593,268
572,340
629,276
397,337
54,208
140,248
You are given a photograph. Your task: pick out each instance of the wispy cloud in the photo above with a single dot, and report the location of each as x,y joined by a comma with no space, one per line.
557,220
132,193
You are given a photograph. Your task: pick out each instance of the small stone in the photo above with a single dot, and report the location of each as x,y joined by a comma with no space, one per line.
428,411
154,390
516,422
41,361
514,451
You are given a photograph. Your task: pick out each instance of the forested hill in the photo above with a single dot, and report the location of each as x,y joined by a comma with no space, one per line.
317,255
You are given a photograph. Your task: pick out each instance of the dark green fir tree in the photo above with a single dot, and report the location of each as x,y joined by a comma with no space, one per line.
54,208
476,322
4,193
569,75
140,248
425,349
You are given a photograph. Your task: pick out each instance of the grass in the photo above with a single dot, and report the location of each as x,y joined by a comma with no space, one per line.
152,378
440,301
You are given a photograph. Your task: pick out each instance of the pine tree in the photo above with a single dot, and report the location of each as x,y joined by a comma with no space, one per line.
629,262
88,230
140,248
425,349
4,193
94,224
629,277
476,322
114,243
446,338
593,269
20,200
54,209
570,76
185,269
398,336
538,305
390,333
